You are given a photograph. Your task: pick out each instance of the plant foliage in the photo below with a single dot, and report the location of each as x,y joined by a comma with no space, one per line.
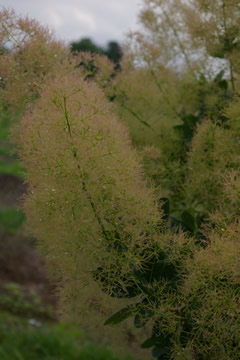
143,229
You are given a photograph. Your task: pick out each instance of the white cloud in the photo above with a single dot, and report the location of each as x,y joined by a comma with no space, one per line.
85,18
55,19
72,19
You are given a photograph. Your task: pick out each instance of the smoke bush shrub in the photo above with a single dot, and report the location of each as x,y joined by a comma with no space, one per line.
100,224
165,171
212,296
87,203
213,156
168,85
143,106
29,52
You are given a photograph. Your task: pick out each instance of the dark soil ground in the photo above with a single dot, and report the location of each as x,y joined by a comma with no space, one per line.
12,190
19,261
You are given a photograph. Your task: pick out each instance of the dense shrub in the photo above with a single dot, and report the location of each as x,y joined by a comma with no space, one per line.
84,160
214,154
28,52
110,218
212,299
21,339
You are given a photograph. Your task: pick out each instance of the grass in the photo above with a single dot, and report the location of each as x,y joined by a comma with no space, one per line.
5,124
15,300
11,220
8,160
20,340
12,168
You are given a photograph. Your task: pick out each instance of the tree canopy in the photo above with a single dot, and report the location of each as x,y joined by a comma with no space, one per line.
113,50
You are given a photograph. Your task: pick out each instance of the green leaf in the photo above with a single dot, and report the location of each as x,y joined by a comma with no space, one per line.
175,224
219,76
188,220
158,339
101,276
142,317
165,207
188,126
155,268
148,343
223,84
121,315
160,353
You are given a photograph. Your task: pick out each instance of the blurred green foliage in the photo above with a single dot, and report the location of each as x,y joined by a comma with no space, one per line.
113,50
11,220
172,262
30,339
16,300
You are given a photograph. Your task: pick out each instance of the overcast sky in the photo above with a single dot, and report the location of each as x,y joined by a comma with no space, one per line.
102,20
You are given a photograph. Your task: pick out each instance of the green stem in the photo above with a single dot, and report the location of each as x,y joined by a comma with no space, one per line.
11,36
136,116
84,187
66,115
163,93
232,77
180,44
226,37
94,209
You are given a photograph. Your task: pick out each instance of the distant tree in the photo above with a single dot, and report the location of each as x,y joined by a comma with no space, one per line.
86,44
113,50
